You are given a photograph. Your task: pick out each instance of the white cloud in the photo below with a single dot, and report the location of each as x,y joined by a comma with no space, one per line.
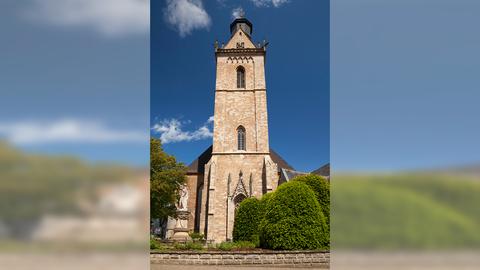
267,3
108,17
186,16
67,131
238,12
171,131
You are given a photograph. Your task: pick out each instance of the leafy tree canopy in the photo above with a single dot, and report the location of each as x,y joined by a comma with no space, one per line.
166,177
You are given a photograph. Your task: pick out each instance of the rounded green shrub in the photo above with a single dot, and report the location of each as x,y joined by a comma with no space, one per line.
265,198
293,219
321,187
247,219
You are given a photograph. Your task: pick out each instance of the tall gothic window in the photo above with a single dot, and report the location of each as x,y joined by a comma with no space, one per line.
241,138
240,77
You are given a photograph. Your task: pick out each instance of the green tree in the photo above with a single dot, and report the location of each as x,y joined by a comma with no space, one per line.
166,177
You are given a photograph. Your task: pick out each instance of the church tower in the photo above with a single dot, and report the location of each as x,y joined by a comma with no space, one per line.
240,165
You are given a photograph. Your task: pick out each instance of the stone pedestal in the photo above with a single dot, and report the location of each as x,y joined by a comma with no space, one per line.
170,227
180,235
180,232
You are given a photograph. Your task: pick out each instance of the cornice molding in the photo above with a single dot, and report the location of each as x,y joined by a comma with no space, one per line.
241,153
254,51
240,90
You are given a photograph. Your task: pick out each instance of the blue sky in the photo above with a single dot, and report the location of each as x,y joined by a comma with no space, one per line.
405,84
297,73
75,78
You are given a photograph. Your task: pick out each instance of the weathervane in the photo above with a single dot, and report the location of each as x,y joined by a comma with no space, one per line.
241,13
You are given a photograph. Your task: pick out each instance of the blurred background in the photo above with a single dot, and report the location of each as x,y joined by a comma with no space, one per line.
404,128
74,134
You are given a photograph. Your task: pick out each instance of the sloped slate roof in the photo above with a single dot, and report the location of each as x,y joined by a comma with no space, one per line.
280,161
323,171
290,174
198,165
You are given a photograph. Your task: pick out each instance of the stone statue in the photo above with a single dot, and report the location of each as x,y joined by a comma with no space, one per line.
180,232
183,201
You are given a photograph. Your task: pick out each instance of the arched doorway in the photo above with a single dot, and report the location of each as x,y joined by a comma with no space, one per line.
238,199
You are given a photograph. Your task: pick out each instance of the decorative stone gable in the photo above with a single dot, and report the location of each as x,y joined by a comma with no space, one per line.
240,40
240,190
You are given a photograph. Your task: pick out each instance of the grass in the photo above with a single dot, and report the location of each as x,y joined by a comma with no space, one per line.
224,246
240,245
156,245
188,246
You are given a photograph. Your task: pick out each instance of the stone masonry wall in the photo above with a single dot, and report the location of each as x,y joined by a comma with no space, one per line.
221,197
233,174
319,259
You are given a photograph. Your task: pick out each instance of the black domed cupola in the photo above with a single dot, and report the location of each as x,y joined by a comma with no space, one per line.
241,23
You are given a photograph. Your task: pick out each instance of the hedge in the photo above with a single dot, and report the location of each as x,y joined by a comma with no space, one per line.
293,219
321,187
247,218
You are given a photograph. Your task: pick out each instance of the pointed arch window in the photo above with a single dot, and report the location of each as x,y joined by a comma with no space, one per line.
240,77
241,138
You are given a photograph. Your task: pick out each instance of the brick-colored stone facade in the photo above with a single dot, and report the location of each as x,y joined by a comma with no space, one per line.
232,175
220,182
319,259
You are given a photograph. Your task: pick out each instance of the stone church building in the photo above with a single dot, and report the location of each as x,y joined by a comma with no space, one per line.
240,163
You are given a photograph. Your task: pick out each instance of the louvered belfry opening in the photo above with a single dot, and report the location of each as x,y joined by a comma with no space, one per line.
240,77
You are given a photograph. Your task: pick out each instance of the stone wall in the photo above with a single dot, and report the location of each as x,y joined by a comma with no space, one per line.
319,259
222,196
192,183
